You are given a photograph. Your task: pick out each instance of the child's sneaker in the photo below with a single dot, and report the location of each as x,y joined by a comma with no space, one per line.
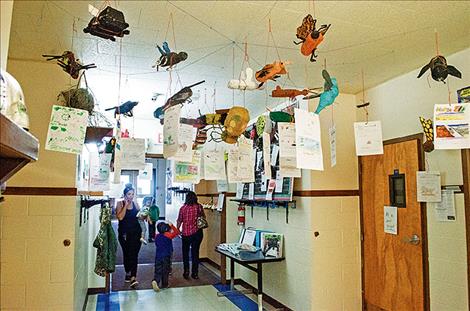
155,286
142,240
134,282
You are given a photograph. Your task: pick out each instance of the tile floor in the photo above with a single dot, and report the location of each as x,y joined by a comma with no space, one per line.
203,298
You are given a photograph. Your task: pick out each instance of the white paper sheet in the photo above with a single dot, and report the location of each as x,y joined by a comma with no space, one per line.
391,219
278,182
274,155
332,136
368,136
267,154
67,129
184,152
232,166
188,172
146,173
264,182
287,150
249,237
239,194
171,128
308,140
132,153
251,191
445,210
452,126
99,171
220,202
222,186
428,186
246,161
214,165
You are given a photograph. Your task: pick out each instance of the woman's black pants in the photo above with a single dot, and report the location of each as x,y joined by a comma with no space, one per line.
130,244
193,242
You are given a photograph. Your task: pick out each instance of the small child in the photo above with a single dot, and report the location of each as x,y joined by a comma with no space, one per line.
144,215
163,252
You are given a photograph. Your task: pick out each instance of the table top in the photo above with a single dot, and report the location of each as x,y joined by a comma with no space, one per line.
249,257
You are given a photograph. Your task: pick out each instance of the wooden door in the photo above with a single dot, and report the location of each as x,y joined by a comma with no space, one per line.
394,268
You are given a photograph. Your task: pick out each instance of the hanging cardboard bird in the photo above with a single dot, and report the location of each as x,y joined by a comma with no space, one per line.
271,72
293,93
107,24
310,37
169,58
178,98
124,109
69,64
428,146
440,69
330,92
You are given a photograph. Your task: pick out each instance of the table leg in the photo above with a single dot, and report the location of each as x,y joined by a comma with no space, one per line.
260,286
232,274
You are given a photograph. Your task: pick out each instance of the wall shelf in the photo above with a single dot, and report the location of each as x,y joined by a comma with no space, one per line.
268,204
17,148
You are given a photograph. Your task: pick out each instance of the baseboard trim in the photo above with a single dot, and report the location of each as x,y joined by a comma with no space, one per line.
273,302
96,290
210,262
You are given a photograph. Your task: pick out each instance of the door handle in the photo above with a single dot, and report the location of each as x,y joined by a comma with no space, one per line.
414,239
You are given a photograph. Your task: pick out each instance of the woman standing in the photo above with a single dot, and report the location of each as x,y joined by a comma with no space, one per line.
192,235
129,232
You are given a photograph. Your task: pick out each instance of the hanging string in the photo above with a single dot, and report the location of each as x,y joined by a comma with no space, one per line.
363,97
267,42
314,13
436,34
448,91
233,74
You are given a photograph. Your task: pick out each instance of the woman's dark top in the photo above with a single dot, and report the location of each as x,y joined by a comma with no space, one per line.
130,224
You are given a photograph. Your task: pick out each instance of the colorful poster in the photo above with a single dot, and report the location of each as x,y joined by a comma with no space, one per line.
267,155
368,136
131,153
308,140
99,171
287,150
214,165
67,129
184,152
171,128
188,172
332,136
246,161
428,186
451,126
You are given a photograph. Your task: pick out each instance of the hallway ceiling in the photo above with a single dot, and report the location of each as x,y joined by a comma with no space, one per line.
383,38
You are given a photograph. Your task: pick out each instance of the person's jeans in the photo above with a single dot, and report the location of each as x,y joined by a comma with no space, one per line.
130,244
162,271
193,242
152,231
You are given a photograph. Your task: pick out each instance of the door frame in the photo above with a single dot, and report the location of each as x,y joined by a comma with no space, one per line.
465,154
424,236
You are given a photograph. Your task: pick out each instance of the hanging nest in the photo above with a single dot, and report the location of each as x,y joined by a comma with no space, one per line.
79,98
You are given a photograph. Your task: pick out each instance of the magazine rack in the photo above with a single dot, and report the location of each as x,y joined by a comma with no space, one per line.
268,204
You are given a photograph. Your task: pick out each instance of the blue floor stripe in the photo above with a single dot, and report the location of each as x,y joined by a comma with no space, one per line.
240,300
108,302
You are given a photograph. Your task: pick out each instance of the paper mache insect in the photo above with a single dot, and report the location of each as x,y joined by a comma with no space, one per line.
246,81
330,92
440,69
107,24
169,58
428,146
271,72
178,98
124,109
310,37
69,64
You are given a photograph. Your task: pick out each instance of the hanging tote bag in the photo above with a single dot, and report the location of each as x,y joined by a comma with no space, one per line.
201,221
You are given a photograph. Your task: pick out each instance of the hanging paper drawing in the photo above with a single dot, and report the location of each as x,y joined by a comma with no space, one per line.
124,109
310,37
67,129
108,24
69,64
428,146
178,98
271,72
440,69
169,58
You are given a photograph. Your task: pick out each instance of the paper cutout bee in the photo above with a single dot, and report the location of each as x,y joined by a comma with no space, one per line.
310,37
428,132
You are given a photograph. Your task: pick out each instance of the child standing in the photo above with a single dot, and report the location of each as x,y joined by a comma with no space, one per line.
144,215
163,252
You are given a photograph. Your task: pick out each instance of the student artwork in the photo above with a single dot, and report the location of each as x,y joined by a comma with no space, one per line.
452,126
169,58
293,93
263,125
107,24
308,140
188,172
271,244
124,109
69,63
131,153
439,69
178,98
271,72
463,95
329,94
281,116
310,37
67,128
245,82
235,124
12,103
428,146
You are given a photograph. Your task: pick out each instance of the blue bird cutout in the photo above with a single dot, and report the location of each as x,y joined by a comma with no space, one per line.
328,96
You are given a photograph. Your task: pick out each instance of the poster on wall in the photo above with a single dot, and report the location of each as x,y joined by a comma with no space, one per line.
188,172
391,219
99,171
287,150
428,186
184,152
214,165
246,160
451,126
445,210
308,140
368,137
131,153
67,129
232,166
146,173
332,136
171,127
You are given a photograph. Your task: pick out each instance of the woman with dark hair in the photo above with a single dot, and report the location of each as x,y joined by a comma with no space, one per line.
192,235
129,233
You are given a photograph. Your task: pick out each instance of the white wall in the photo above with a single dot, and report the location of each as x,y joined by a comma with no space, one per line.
6,12
397,104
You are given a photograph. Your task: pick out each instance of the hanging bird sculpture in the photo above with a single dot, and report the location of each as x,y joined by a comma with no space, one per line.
310,37
169,58
124,109
330,92
69,64
178,98
271,72
439,69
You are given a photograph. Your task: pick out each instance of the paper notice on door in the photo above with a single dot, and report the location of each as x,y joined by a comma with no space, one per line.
391,219
445,210
332,136
428,186
368,136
